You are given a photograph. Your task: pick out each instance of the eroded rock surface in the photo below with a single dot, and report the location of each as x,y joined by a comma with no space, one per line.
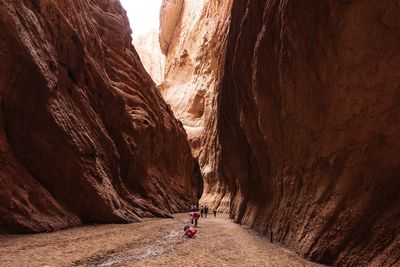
194,63
170,15
148,47
84,135
308,126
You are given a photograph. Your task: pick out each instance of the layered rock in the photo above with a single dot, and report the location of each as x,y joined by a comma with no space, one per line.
308,127
148,47
194,63
85,135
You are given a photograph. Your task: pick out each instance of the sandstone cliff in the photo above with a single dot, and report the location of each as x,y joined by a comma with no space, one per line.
170,15
148,48
84,134
308,126
194,63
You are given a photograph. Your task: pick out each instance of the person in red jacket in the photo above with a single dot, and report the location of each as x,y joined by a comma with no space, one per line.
190,231
195,217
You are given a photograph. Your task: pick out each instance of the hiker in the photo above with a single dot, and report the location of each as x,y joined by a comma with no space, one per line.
205,211
195,217
190,231
202,211
215,212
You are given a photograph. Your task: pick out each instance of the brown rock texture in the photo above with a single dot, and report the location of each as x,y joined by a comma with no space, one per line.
308,127
194,63
84,134
148,47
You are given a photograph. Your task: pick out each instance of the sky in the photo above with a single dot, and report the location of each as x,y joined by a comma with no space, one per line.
143,15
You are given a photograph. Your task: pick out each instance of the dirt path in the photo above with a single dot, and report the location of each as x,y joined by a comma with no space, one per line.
155,242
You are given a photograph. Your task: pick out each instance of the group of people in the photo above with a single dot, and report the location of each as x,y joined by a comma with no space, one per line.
195,213
203,210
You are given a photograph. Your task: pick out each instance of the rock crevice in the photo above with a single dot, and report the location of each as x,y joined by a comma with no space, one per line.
194,64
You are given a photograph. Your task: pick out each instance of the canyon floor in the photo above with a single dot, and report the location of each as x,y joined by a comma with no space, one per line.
153,242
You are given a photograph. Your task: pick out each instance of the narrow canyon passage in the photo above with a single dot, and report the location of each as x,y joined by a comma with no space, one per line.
154,242
282,114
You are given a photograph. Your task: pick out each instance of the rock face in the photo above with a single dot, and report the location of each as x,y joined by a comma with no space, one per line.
170,15
308,127
194,63
84,134
148,48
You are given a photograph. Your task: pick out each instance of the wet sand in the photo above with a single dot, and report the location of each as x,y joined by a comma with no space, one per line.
153,242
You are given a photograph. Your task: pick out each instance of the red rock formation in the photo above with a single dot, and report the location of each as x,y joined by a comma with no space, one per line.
308,126
194,64
85,135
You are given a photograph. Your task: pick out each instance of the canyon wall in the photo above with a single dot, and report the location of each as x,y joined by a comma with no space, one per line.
194,53
308,126
148,47
85,136
170,15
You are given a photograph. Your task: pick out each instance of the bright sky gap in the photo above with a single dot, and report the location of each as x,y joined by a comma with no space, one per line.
143,15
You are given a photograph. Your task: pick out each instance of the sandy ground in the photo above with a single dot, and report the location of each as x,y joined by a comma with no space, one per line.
154,242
